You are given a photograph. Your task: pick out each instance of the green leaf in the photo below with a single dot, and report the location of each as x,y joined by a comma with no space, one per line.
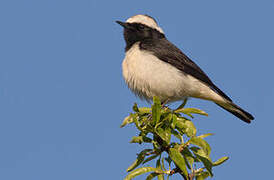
126,121
178,159
156,145
137,139
135,108
151,176
220,161
185,126
189,114
141,171
205,135
139,160
202,156
158,165
183,104
177,135
145,110
166,118
140,139
156,100
189,157
190,111
165,134
150,158
161,177
168,160
202,175
163,164
174,121
201,143
136,122
156,107
147,139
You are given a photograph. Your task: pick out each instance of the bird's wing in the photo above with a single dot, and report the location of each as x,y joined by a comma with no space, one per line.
169,53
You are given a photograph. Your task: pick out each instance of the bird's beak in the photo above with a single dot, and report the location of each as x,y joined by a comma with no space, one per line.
124,24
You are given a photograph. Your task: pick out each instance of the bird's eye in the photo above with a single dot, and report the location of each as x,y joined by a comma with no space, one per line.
141,27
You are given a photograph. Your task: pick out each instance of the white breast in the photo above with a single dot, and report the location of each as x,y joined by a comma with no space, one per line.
147,76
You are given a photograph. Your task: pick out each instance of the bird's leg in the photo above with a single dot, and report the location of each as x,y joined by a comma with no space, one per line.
163,104
183,104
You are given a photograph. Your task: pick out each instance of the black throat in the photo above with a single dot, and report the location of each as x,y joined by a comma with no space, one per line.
139,32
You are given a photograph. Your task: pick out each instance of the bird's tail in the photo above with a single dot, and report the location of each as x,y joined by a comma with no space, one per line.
236,111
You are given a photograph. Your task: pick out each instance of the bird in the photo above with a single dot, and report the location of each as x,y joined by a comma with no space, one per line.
153,66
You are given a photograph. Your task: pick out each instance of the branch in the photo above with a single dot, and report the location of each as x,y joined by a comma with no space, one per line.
162,123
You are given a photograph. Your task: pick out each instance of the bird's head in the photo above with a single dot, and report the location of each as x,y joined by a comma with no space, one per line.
140,27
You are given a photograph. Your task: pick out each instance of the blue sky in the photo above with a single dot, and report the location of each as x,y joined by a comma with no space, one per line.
62,96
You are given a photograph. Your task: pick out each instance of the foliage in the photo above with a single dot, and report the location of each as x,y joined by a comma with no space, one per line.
160,125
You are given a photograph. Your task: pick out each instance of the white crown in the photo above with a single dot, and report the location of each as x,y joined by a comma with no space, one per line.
146,20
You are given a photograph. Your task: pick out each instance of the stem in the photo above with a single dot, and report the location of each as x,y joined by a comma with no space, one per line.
166,149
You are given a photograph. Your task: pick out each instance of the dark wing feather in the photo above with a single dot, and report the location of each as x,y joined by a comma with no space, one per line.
169,53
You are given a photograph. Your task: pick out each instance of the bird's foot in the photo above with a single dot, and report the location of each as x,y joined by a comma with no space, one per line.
163,104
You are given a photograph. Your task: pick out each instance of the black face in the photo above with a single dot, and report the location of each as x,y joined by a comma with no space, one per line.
134,32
